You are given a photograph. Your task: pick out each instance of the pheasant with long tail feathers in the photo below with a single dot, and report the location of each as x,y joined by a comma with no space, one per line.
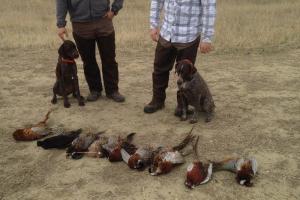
34,132
165,159
198,173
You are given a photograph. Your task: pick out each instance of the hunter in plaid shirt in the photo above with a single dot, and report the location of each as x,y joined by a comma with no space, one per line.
178,38
184,20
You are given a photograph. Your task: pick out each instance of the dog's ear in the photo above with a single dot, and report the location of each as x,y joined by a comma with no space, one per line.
176,68
61,50
193,69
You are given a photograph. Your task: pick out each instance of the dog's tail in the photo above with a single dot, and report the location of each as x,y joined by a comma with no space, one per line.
189,138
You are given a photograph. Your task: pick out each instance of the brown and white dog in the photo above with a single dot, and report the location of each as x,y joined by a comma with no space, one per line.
66,74
192,90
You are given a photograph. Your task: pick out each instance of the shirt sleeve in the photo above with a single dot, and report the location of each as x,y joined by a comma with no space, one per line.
208,19
61,13
117,5
155,8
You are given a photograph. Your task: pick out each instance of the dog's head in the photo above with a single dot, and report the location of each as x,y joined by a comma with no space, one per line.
185,70
68,50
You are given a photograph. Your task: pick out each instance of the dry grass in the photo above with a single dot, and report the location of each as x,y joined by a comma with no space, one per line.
241,24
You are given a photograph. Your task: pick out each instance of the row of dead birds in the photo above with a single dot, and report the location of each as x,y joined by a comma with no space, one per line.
159,159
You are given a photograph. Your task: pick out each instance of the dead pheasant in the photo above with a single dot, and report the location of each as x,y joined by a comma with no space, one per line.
112,149
34,132
140,159
245,169
60,141
198,172
165,159
80,145
96,149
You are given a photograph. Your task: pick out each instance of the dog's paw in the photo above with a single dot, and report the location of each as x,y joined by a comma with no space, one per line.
208,119
54,101
67,105
190,112
193,121
183,118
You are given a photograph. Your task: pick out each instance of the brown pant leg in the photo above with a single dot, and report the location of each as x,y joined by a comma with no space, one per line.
189,52
86,48
107,49
163,64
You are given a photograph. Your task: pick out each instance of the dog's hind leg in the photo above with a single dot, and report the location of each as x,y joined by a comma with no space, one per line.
208,107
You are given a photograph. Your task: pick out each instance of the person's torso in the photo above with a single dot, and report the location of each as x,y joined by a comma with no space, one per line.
87,10
182,20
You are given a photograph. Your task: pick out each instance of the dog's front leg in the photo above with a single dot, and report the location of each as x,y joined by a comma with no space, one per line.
197,106
55,91
178,109
184,108
62,89
76,86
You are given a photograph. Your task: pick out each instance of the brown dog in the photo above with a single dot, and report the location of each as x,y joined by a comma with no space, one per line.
66,74
192,90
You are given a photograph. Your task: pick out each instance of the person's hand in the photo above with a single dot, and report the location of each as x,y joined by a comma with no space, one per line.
61,32
154,33
109,15
205,47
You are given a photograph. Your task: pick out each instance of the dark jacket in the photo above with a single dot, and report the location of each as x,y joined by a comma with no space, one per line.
84,10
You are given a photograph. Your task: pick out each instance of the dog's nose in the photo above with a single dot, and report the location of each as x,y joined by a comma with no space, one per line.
179,81
75,54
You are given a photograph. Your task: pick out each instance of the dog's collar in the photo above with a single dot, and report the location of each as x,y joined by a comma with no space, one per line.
67,61
188,61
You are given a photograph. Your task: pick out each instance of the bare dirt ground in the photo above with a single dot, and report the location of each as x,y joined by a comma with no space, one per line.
258,114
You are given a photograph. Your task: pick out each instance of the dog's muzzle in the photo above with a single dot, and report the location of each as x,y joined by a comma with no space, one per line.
75,54
179,81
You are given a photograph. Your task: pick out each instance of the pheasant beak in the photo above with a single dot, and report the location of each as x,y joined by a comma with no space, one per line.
188,185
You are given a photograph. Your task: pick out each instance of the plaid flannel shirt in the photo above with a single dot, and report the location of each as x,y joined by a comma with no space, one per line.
184,20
